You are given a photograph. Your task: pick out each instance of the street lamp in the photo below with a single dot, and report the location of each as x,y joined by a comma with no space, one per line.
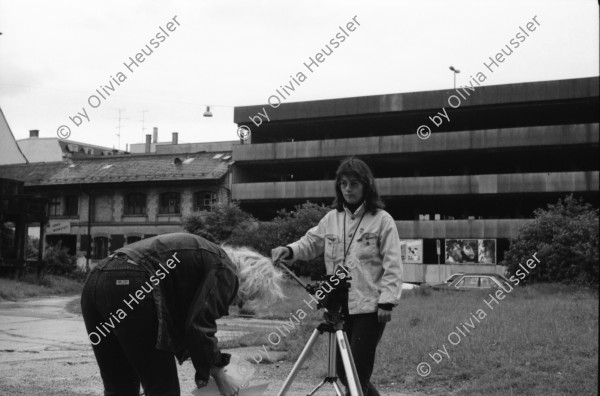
455,72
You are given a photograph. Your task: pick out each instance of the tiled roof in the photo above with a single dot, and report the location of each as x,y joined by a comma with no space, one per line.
124,168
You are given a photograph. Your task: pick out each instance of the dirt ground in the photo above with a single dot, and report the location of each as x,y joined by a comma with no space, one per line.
44,351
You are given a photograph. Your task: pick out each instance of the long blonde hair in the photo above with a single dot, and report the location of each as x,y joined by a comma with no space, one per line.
260,282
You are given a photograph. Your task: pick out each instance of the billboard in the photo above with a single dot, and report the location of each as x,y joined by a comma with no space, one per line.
476,251
411,251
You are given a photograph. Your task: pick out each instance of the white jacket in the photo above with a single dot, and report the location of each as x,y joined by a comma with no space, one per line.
373,258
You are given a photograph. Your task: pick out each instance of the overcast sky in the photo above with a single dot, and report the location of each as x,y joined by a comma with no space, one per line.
55,54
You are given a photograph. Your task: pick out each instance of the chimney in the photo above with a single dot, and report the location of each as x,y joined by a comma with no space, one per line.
148,143
155,134
34,133
175,138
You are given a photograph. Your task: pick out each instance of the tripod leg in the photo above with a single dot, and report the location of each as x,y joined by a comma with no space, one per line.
337,389
332,371
349,367
299,363
317,387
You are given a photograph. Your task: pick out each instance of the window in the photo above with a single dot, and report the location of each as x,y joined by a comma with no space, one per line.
71,205
170,203
100,248
486,282
55,207
132,239
135,204
471,281
204,200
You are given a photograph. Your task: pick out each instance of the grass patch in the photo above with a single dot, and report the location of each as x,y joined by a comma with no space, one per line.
28,286
540,339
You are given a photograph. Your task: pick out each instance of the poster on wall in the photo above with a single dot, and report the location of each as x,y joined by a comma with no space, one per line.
411,251
59,227
475,251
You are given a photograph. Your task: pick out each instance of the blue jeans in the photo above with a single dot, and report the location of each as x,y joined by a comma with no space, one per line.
125,347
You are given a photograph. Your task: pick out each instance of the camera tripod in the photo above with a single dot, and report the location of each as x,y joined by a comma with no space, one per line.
332,325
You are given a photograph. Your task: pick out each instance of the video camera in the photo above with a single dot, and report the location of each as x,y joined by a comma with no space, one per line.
330,291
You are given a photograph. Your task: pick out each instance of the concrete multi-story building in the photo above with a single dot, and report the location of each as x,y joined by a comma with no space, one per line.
495,154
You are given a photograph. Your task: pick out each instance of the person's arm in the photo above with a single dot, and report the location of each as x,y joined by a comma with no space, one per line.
391,281
312,244
210,302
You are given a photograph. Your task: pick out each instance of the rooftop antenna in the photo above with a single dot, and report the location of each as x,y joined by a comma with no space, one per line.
143,124
119,126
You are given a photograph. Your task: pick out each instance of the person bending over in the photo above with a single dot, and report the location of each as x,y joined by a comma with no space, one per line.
160,297
361,236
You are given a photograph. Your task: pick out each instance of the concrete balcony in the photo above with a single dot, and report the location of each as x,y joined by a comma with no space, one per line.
431,185
491,95
558,135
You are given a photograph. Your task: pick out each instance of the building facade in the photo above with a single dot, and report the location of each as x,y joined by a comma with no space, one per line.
52,149
98,204
495,154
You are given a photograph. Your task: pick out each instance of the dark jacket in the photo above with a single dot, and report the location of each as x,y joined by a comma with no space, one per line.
194,282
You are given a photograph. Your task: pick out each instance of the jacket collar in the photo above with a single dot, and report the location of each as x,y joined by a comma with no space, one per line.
358,210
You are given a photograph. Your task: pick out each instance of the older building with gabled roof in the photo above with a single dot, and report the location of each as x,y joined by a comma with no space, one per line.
98,204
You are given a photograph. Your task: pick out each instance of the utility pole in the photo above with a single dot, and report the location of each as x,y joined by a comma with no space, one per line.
454,72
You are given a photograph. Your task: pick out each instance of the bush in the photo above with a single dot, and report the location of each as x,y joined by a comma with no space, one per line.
59,261
286,228
218,224
565,237
227,223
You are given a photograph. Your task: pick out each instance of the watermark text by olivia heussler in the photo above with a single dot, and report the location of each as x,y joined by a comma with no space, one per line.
284,91
490,65
104,91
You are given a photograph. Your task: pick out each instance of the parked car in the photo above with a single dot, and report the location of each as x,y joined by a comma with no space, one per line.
409,286
446,282
473,281
452,277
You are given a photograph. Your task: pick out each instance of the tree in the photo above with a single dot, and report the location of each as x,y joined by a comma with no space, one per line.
286,228
565,237
218,224
59,261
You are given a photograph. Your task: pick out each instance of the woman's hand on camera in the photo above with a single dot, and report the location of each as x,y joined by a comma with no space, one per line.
384,316
280,253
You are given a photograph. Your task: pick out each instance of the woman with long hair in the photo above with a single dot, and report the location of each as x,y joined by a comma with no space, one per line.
359,235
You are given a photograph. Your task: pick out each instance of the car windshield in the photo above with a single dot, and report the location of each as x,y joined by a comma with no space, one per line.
452,278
